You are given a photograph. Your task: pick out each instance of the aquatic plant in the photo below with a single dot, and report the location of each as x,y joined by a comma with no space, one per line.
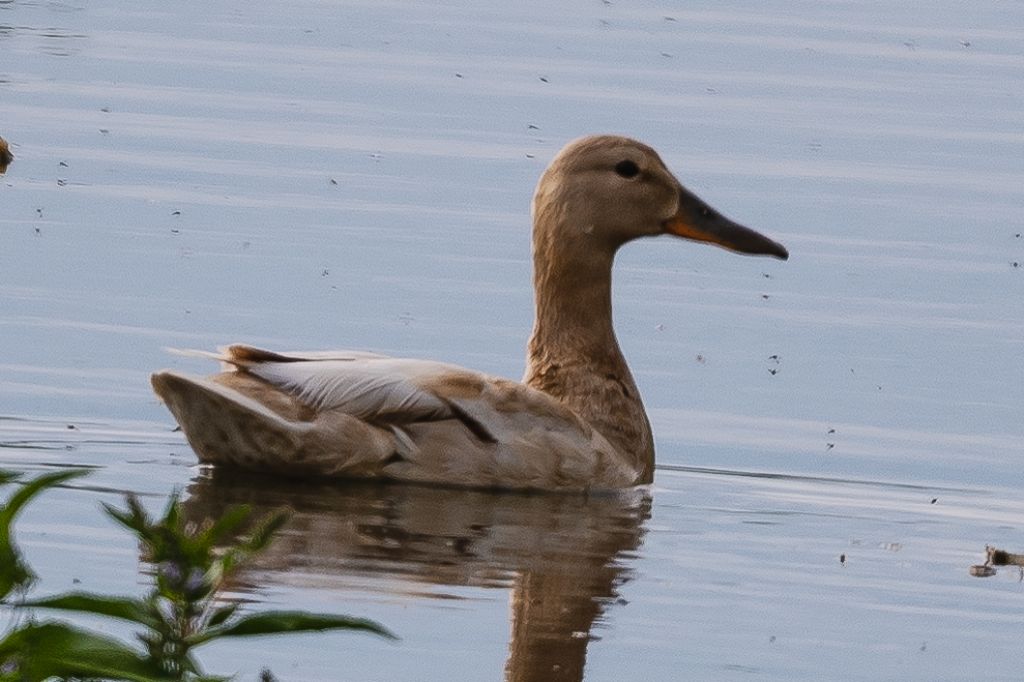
183,610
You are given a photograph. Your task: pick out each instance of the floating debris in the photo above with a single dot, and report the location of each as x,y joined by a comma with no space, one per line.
5,155
997,557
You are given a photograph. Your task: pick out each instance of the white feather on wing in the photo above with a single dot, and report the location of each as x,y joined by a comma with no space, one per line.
375,389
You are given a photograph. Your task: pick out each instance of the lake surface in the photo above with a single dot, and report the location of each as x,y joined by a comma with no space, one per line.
358,174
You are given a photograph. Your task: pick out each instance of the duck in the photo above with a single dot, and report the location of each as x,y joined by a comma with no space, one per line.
576,421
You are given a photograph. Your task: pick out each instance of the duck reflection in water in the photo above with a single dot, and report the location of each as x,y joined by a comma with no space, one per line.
563,556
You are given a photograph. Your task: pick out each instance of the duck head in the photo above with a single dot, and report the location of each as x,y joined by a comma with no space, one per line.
602,191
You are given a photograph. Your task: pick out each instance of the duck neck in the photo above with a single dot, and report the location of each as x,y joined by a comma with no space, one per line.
573,354
573,317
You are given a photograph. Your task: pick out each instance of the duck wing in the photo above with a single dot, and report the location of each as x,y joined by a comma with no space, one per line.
375,388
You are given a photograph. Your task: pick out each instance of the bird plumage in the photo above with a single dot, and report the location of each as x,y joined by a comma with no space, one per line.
575,423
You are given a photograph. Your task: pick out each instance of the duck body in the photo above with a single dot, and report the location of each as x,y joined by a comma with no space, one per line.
349,415
576,422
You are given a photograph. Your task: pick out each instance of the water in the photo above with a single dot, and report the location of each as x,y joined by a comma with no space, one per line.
346,174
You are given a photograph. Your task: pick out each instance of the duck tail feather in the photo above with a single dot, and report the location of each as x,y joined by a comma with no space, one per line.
224,426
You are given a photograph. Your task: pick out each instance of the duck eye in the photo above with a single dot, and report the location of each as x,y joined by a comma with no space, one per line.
627,169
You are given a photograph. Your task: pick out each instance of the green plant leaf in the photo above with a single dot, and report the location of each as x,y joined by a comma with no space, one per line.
171,517
222,614
265,530
134,518
257,540
127,608
223,526
30,490
280,622
41,651
14,572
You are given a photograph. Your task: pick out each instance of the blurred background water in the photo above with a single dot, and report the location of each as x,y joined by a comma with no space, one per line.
357,174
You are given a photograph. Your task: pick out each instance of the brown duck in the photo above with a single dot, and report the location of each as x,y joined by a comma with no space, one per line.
576,422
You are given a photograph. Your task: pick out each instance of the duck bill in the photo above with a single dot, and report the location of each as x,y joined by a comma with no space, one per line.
697,221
